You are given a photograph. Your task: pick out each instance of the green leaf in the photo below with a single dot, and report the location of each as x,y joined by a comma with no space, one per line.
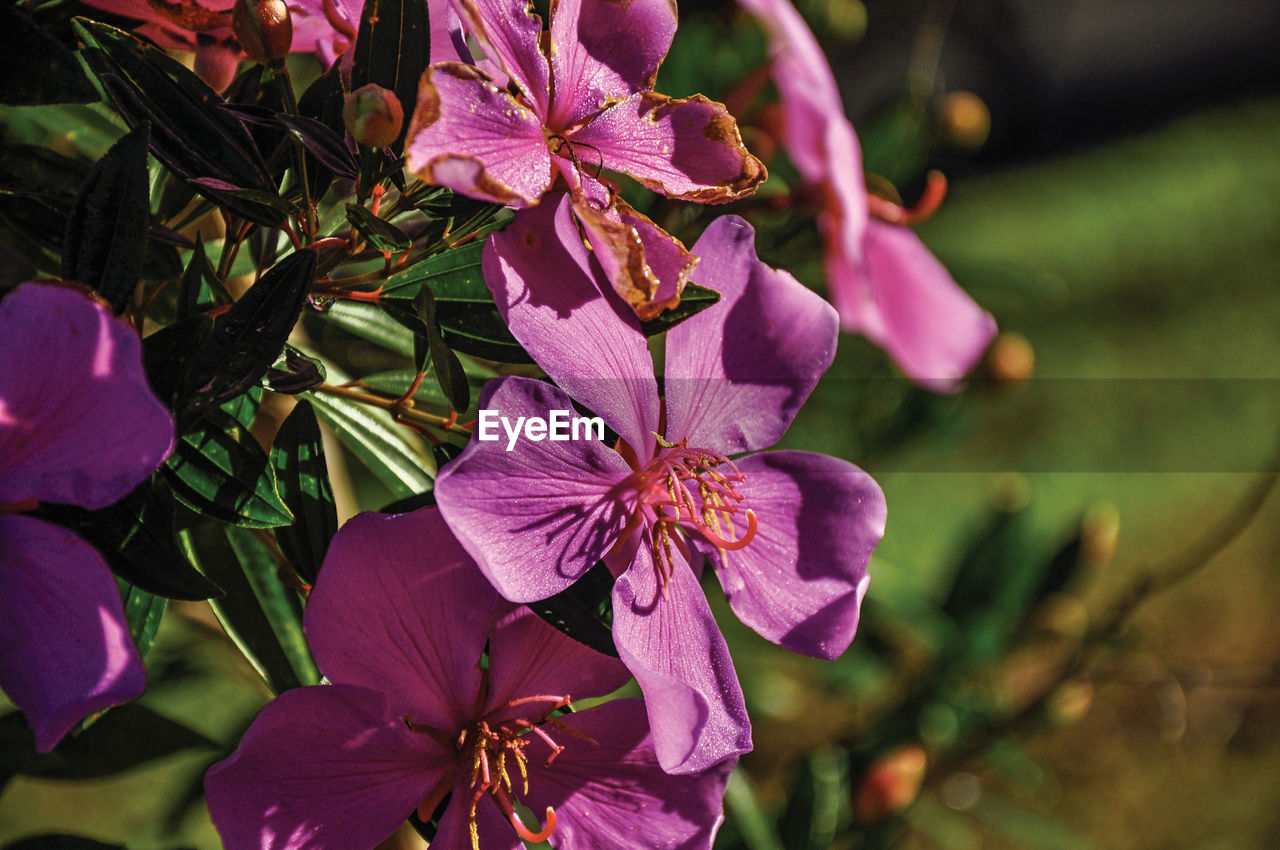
370,322
281,605
391,50
34,66
449,372
583,611
754,824
200,288
249,337
303,478
106,239
693,300
123,738
396,457
240,610
384,235
219,470
818,802
144,612
397,382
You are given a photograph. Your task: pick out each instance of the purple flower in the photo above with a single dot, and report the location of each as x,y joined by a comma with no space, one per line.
882,279
78,425
399,620
583,103
788,533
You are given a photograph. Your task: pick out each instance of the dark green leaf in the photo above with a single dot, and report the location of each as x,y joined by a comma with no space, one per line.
281,605
239,611
583,610
136,537
106,237
392,51
818,802
295,372
398,381
61,842
219,470
249,337
449,373
371,322
191,133
36,221
381,233
123,738
168,356
303,479
144,612
323,101
388,449
693,300
200,285
35,67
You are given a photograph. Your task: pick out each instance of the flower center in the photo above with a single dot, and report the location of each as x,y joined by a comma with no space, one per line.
493,752
697,490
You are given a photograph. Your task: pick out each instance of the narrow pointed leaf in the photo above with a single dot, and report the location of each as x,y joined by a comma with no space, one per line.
370,322
35,67
303,478
380,443
144,612
448,369
693,300
391,50
106,238
584,610
381,233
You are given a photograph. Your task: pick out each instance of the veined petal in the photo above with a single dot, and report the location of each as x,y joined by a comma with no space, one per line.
78,423
399,607
65,650
493,829
549,293
608,790
537,517
669,640
930,326
510,34
604,51
620,250
801,579
687,148
530,657
738,372
323,767
471,136
671,263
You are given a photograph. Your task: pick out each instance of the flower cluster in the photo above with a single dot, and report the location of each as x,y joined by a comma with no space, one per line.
493,223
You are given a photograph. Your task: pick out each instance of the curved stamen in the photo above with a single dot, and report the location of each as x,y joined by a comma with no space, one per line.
935,189
730,545
534,837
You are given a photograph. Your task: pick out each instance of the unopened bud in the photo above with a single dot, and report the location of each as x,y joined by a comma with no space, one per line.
891,784
264,29
1011,359
373,115
965,120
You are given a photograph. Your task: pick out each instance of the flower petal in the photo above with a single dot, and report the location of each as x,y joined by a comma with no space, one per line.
78,423
65,650
608,790
687,148
399,607
910,305
801,579
492,828
738,372
549,293
537,517
530,657
321,767
471,136
510,33
605,51
666,256
669,640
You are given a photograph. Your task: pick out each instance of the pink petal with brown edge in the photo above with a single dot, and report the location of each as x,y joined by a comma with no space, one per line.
687,148
510,34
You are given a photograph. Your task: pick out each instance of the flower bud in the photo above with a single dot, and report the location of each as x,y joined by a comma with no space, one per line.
373,115
264,29
1011,359
891,784
965,120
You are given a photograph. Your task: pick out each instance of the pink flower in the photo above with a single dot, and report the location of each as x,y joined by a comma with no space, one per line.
584,103
787,533
399,620
78,425
881,278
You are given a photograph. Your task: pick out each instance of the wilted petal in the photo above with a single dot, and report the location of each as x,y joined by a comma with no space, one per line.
78,423
471,136
621,253
323,767
687,148
549,293
738,372
510,32
668,259
914,309
402,609
539,516
801,579
65,650
671,643
529,657
605,51
610,791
